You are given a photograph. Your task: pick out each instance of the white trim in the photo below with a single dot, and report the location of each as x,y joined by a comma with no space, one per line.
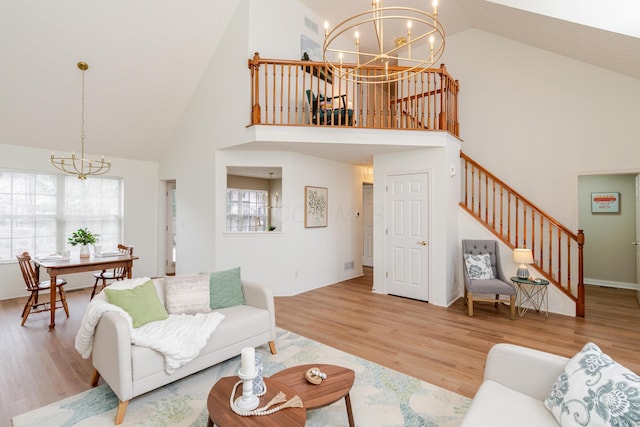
611,284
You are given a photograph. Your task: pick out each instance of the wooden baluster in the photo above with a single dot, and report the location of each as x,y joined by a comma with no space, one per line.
501,211
509,216
254,66
281,94
486,198
517,241
580,302
493,209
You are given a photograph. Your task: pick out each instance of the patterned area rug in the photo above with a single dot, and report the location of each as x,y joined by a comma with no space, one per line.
379,397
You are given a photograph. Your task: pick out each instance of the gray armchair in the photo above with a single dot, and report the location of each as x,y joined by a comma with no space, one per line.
474,281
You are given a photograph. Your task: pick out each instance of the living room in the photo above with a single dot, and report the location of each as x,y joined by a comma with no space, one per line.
536,118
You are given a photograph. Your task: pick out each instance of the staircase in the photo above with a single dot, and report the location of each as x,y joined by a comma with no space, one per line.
557,251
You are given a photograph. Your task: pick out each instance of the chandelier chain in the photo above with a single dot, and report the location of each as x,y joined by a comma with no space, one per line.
81,167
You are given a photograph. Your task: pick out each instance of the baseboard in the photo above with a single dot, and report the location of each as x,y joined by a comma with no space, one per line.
610,284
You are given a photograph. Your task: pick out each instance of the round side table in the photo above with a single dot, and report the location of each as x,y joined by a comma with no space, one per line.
530,293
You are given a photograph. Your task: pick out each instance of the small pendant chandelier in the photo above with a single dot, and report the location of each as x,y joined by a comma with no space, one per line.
80,166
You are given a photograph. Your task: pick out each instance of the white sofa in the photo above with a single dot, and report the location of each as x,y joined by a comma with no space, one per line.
516,383
131,370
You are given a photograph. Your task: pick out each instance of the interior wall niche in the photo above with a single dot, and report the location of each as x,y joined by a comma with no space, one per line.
254,199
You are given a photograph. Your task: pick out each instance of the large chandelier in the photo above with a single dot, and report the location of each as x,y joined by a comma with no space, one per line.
79,165
414,40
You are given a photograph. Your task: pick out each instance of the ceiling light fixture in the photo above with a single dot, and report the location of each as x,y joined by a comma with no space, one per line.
80,166
421,45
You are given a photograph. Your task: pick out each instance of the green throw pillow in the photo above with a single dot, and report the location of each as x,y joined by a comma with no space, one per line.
225,289
142,303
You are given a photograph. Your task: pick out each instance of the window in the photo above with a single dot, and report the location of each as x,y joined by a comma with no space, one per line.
39,211
246,210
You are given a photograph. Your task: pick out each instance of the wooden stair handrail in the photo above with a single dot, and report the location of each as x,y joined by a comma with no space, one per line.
518,203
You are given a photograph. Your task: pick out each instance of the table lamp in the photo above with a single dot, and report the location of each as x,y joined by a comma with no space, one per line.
523,257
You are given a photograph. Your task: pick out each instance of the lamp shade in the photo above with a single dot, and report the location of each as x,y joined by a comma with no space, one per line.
522,256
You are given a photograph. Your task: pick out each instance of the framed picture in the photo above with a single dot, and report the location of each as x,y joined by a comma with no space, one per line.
605,202
316,206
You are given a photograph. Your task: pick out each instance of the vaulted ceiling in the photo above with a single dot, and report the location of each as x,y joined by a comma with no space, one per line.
146,58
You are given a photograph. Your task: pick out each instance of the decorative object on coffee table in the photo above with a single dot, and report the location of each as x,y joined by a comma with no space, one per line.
336,386
314,376
221,414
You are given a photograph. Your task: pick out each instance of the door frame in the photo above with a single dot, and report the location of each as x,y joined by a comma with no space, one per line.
428,225
169,264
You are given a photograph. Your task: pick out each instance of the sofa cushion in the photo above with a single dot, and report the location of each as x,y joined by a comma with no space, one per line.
142,303
187,294
496,405
595,390
479,266
226,289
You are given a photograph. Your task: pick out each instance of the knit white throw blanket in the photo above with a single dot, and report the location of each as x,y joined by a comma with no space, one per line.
179,338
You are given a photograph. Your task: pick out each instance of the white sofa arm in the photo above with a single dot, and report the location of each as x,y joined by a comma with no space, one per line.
523,369
260,296
112,354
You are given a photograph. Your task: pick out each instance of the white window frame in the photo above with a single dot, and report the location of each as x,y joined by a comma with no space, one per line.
250,216
100,214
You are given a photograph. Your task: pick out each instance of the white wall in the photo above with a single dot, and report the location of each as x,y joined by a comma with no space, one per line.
213,118
295,259
444,191
140,213
537,119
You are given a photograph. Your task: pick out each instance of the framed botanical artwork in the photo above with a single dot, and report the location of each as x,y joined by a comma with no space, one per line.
605,202
316,206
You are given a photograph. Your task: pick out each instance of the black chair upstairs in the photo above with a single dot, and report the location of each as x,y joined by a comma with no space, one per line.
324,110
119,273
483,275
34,286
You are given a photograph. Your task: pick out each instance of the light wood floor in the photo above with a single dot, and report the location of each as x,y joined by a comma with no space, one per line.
440,345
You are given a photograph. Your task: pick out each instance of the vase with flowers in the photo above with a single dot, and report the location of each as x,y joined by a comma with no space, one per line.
83,237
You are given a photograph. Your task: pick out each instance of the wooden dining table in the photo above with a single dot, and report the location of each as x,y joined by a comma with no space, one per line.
75,264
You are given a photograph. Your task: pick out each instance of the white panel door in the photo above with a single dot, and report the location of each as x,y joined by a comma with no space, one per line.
407,251
367,225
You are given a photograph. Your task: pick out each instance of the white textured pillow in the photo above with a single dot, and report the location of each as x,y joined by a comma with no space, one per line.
593,390
188,294
479,266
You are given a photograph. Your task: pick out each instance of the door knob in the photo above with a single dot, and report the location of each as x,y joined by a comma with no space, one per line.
423,243
635,243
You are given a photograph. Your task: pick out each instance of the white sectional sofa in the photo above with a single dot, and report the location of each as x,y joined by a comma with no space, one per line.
516,383
525,387
132,370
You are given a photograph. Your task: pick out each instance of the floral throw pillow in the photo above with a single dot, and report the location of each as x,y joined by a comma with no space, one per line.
594,390
479,266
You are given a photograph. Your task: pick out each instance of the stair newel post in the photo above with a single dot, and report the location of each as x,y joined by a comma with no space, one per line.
580,303
254,66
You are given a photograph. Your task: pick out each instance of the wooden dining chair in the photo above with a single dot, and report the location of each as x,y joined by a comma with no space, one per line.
119,273
35,286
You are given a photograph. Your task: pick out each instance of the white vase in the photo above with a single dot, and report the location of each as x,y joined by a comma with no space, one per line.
84,251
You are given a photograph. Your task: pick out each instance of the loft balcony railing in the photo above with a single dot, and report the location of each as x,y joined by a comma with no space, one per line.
557,251
306,93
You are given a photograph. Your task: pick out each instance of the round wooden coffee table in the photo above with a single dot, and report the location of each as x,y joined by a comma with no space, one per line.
221,415
337,385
